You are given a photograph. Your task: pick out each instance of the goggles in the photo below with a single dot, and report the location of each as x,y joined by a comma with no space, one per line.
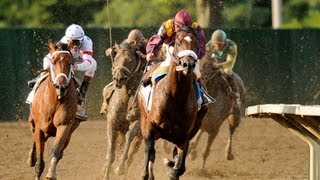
76,42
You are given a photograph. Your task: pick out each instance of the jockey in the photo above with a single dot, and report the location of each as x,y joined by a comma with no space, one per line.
135,40
82,51
224,52
167,34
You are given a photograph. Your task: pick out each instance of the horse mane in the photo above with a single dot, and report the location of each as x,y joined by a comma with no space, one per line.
126,46
187,29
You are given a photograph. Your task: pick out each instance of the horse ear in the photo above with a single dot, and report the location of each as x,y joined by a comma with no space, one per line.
51,45
111,52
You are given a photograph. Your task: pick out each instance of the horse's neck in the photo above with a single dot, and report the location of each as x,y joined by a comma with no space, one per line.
176,82
47,87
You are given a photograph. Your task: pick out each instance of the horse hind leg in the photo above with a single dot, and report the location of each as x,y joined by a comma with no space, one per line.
133,151
130,135
39,140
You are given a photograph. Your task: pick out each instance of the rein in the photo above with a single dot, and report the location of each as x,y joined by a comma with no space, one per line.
212,76
183,53
128,71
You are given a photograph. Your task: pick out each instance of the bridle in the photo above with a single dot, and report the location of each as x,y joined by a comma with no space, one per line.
177,56
54,77
127,71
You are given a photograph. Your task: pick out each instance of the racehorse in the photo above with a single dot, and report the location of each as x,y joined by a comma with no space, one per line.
174,114
53,112
122,112
223,109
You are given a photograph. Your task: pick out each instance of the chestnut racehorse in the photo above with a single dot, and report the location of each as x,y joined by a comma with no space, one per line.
174,114
53,112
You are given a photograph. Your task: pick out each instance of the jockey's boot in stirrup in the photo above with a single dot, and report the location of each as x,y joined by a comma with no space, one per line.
146,82
81,114
32,82
206,98
81,111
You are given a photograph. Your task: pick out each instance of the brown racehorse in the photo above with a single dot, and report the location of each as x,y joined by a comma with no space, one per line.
122,111
174,114
53,112
223,109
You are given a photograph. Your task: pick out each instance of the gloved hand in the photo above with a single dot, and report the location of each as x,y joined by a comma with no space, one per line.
76,55
151,56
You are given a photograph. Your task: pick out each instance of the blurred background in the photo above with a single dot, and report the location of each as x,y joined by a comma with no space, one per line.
278,42
296,14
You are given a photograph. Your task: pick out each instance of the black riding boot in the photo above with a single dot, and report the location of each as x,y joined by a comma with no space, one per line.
83,89
32,82
146,82
81,114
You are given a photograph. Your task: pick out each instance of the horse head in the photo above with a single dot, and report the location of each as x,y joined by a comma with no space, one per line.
185,49
126,63
60,69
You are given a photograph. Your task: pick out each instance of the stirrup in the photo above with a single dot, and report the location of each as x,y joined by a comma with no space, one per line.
206,98
81,114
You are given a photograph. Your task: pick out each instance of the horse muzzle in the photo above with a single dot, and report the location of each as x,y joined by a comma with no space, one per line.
120,79
61,90
186,65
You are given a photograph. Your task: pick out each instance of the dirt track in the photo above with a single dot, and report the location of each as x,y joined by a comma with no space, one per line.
263,150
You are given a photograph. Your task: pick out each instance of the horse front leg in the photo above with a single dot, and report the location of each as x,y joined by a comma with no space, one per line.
177,167
150,155
110,156
130,135
39,140
60,143
193,146
32,155
234,120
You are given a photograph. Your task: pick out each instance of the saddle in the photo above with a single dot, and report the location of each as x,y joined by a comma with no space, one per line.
160,72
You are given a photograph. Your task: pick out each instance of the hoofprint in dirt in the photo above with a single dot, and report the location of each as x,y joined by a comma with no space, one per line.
263,150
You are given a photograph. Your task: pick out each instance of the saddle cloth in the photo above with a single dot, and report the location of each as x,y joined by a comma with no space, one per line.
147,92
42,77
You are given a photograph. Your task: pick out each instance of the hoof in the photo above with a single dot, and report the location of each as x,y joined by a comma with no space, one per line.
119,170
172,174
31,162
51,175
229,157
193,155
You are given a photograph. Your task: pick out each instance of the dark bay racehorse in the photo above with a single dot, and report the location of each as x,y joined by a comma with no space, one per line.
223,109
173,115
122,111
53,112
